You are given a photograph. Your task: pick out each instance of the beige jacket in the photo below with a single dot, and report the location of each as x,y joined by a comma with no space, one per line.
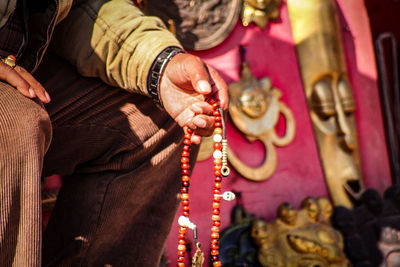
111,40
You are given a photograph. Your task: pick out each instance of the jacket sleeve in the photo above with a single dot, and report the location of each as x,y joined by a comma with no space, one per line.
112,40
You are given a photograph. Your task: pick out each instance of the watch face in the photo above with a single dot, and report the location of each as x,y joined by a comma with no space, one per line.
198,24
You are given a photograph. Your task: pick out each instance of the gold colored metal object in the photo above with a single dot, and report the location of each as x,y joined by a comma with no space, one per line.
259,12
329,95
254,109
198,24
198,257
299,238
10,61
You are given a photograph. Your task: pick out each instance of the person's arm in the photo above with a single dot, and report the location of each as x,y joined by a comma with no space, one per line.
112,40
117,43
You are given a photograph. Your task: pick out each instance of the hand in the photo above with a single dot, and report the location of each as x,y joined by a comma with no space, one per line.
185,84
23,81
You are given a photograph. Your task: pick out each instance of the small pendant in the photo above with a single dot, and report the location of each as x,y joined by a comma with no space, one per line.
198,257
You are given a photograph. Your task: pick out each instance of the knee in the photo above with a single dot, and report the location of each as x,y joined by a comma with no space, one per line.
23,122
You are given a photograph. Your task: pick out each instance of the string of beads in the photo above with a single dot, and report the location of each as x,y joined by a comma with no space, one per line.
220,169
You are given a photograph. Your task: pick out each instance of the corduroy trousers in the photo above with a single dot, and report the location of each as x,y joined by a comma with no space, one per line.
119,156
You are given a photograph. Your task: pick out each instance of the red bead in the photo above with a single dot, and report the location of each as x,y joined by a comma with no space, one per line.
218,131
185,184
185,202
217,167
214,246
215,105
215,229
181,242
185,153
217,185
185,213
218,118
185,178
184,196
181,264
216,113
184,159
217,161
217,199
185,166
215,211
216,218
217,146
182,230
217,124
217,223
186,208
181,259
215,235
216,205
181,253
214,252
188,136
217,173
187,142
217,264
184,190
181,236
218,179
185,172
215,241
188,130
186,148
217,192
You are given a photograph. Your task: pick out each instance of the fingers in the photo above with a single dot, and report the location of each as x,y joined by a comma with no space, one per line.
220,87
36,89
23,81
9,75
197,72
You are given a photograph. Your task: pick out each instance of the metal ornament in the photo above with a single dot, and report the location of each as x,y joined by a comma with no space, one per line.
330,100
254,109
259,12
198,24
302,237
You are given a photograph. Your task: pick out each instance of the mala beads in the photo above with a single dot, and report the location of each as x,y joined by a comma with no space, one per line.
220,169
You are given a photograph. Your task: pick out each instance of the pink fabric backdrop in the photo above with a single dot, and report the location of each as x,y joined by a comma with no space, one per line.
271,53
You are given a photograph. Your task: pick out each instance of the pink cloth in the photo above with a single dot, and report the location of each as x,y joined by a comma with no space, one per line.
299,174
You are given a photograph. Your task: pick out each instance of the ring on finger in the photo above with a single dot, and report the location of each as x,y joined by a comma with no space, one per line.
10,61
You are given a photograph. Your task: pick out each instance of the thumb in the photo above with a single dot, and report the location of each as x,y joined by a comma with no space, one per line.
198,75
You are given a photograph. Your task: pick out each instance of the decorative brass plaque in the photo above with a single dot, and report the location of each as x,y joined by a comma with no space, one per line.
329,95
198,24
254,109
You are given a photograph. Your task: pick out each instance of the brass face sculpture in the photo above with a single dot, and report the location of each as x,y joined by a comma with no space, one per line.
329,95
260,12
254,109
297,241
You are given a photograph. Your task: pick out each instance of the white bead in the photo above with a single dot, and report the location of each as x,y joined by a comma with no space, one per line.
217,138
217,154
185,222
228,196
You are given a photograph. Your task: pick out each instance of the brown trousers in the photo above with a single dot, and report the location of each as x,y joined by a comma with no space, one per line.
119,156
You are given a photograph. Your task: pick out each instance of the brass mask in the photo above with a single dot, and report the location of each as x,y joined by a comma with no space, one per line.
329,95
